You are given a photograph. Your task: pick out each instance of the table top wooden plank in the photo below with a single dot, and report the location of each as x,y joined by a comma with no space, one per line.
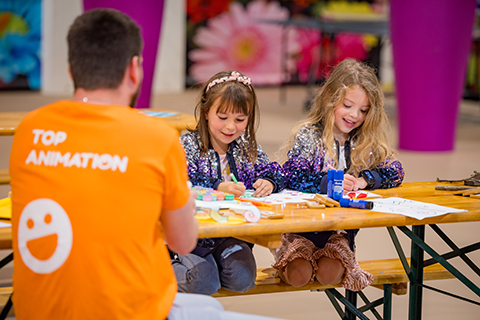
307,220
9,121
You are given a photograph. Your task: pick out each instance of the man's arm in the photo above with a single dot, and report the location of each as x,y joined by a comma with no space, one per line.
180,227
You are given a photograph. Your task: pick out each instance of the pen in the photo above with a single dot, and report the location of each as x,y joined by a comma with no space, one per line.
233,178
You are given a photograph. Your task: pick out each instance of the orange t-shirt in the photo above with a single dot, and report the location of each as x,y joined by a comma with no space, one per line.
89,183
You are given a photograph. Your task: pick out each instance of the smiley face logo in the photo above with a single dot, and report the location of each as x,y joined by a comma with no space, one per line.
44,236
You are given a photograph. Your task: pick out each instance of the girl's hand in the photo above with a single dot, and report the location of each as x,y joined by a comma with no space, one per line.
262,188
350,183
237,189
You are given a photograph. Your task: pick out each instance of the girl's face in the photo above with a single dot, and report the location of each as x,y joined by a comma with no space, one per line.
350,113
224,127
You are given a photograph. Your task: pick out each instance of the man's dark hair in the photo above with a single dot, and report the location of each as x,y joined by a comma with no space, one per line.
101,44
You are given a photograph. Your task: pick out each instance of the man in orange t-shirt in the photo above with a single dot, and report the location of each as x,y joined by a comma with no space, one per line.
92,180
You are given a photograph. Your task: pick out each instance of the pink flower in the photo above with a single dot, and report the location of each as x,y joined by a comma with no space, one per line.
344,45
236,40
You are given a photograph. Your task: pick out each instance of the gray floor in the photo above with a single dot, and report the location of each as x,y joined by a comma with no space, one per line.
277,119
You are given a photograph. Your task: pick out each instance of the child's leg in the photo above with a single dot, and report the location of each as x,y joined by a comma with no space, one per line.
330,271
297,273
337,264
196,274
236,265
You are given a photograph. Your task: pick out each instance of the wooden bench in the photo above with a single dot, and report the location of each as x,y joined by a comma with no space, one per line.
389,271
388,274
5,294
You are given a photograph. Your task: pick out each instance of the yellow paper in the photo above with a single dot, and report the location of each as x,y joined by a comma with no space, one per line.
6,208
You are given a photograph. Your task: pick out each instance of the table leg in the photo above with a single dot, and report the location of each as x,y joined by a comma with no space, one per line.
352,298
416,267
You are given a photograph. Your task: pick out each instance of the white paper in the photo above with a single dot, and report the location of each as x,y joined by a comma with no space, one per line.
5,224
410,208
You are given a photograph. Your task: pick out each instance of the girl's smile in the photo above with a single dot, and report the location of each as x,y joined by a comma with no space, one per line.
224,127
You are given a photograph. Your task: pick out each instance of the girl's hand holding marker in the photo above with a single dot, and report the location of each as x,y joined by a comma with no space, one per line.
236,188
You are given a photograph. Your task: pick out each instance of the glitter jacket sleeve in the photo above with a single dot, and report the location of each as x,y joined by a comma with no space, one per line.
304,169
389,174
203,169
262,168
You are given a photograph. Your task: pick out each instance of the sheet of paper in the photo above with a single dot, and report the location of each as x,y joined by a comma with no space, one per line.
410,208
5,224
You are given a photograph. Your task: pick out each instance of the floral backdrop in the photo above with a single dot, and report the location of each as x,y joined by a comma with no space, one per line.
228,34
20,35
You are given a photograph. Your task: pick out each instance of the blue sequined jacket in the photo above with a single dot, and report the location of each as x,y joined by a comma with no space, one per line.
306,170
204,170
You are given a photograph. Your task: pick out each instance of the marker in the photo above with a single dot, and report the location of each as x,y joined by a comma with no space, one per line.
354,203
233,178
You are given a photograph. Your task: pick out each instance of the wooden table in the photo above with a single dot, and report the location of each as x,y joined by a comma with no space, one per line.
301,219
9,121
267,232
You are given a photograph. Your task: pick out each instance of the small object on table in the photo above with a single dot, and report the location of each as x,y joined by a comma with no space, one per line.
271,215
355,203
357,195
326,201
468,192
315,205
233,178
473,180
452,188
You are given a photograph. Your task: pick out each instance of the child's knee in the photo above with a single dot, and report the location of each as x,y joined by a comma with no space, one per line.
201,277
240,276
330,271
298,272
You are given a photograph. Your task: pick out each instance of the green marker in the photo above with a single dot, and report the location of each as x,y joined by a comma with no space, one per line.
233,178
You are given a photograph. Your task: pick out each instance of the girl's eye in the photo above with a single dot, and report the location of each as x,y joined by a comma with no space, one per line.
363,111
346,106
222,118
241,120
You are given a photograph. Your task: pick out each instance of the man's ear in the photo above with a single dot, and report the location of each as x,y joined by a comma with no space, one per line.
135,70
70,72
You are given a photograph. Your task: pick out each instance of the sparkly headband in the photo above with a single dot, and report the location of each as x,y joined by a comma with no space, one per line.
235,76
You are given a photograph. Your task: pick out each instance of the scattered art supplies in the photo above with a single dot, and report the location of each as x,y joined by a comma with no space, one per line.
211,202
286,198
291,198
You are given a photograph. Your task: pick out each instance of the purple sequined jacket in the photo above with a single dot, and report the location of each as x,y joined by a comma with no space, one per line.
204,170
306,167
